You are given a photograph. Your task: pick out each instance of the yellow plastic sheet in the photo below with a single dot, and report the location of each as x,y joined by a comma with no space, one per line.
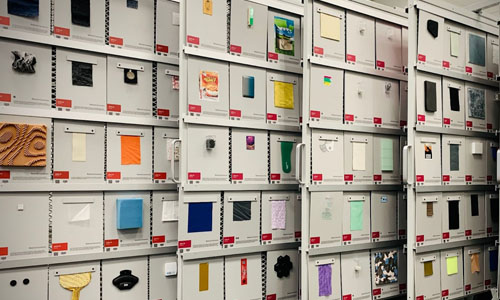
203,285
283,95
452,265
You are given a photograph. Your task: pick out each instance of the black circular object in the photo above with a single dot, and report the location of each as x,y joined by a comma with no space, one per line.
283,266
13,283
26,281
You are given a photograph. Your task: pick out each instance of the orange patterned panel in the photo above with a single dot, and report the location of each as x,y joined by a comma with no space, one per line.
23,145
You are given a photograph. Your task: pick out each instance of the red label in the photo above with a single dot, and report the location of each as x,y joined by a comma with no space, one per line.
446,235
267,236
375,235
235,113
468,232
4,251
61,174
194,108
5,97
444,293
193,40
490,74
377,177
347,297
111,243
469,124
4,174
237,176
298,234
349,117
377,120
467,287
314,240
194,176
244,272
115,41
421,118
228,240
468,178
272,117
489,230
161,48
487,282
160,175
346,237
113,175
351,58
272,56
318,50
420,298
235,49
402,123
348,177
468,69
271,297
489,178
402,231
446,178
60,247
61,31
315,114
446,64
420,238
275,176
317,177
158,239
163,112
446,121
489,126
380,64
377,292
63,103
4,21
420,178
421,58
184,244
114,107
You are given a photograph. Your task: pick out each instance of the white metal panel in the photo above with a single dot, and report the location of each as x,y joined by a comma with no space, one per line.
287,286
403,103
89,292
327,157
167,28
358,169
325,228
323,45
65,28
163,151
430,48
131,28
490,275
37,283
428,287
404,48
165,226
428,159
475,225
39,24
243,277
453,234
355,273
111,269
453,177
314,278
167,91
352,233
359,99
206,28
192,288
473,281
384,219
453,118
386,103
454,57
388,46
492,56
492,111
249,156
241,231
272,40
247,108
360,44
428,218
162,287
491,161
475,159
326,95
402,215
452,284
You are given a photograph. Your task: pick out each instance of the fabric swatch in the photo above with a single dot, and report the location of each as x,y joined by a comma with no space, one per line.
386,153
476,102
75,283
133,4
325,280
358,156
454,157
200,217
428,270
242,211
452,265
477,50
278,214
283,95
203,279
283,266
433,28
248,86
130,150
454,44
453,215
474,205
430,209
129,213
430,96
207,7
23,145
474,263
454,99
170,211
284,30
386,267
330,27
23,8
79,147
356,215
286,156
80,12
493,260
494,209
23,62
81,73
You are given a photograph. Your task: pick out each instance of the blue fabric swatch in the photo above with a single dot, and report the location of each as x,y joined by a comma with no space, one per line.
200,217
128,213
494,260
23,8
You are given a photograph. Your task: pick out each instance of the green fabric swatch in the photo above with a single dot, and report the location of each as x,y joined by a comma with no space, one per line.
356,215
286,156
386,153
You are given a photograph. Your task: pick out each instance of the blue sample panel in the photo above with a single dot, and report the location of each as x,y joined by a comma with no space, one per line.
200,217
129,213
